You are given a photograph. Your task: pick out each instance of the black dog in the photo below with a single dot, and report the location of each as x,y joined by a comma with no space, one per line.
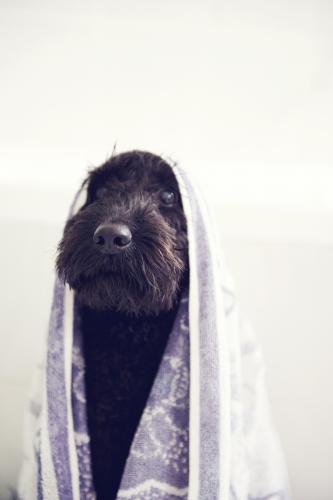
125,255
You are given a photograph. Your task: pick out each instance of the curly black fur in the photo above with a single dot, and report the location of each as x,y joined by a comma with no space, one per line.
127,302
145,277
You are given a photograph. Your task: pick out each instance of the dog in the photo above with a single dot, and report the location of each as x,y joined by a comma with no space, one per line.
125,254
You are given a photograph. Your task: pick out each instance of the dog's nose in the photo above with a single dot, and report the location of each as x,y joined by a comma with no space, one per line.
112,238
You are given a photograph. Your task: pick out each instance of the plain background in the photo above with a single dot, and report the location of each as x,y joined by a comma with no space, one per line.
240,93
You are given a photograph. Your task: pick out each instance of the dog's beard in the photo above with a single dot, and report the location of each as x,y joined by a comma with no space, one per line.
108,291
143,279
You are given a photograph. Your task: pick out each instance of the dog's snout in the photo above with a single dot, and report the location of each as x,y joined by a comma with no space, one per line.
112,238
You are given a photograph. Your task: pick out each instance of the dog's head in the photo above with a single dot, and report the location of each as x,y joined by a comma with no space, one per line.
126,248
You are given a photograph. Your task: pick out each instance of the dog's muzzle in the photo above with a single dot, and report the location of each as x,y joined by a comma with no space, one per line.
112,238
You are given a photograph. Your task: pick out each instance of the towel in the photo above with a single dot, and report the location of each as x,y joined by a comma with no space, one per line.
206,431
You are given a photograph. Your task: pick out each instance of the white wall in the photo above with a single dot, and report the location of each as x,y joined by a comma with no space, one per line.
221,85
239,92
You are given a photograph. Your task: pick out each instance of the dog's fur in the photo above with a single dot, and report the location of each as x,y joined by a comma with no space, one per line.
127,300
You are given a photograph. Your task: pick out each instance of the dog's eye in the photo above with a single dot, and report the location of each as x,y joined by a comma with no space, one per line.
101,192
168,197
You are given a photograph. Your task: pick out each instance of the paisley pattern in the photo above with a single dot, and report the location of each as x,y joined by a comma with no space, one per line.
159,450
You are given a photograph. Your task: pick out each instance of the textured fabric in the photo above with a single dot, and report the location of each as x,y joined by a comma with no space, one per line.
205,432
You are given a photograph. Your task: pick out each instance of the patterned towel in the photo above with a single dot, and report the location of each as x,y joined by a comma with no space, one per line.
205,432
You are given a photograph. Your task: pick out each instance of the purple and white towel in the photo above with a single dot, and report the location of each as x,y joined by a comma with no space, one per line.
206,431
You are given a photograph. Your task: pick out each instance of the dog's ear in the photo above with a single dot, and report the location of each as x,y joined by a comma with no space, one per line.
88,185
96,177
